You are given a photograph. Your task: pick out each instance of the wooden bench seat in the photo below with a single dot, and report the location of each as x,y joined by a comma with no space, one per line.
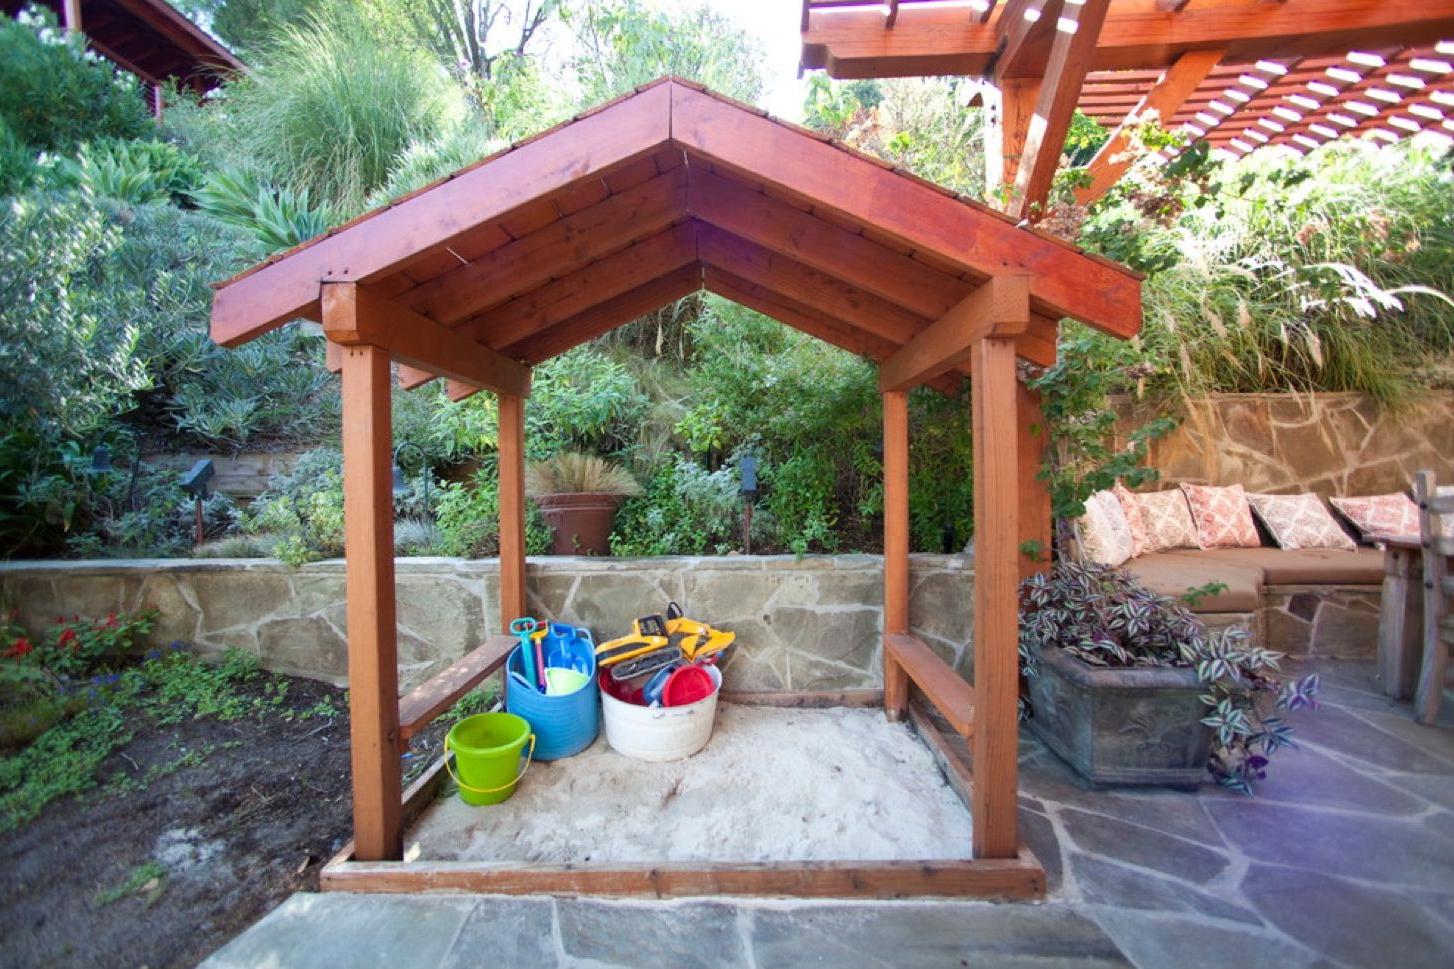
429,699
946,689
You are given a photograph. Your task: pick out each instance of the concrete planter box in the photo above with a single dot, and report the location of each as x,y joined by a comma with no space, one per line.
1121,726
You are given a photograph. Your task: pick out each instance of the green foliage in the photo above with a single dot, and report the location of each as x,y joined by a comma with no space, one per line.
67,364
54,95
1106,618
1084,457
78,647
1313,273
685,510
248,26
625,43
168,687
583,400
134,172
468,517
279,218
303,510
145,879
331,105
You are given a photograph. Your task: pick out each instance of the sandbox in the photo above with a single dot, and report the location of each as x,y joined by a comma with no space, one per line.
774,784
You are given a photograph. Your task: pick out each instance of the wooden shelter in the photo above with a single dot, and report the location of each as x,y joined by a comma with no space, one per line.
618,212
1241,74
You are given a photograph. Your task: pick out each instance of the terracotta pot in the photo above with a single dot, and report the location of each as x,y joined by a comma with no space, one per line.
580,523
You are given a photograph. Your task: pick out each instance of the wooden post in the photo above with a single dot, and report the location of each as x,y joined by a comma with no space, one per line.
373,674
896,544
1011,106
1035,517
1399,639
512,509
996,576
71,16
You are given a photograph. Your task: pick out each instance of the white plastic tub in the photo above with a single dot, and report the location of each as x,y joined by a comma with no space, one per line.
659,733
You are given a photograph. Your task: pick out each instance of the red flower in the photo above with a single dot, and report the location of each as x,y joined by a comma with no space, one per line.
110,620
68,638
21,647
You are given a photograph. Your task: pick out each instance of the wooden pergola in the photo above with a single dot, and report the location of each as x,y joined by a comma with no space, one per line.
559,239
1241,74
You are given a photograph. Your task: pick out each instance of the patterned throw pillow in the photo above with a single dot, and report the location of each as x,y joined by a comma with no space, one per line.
1104,536
1222,515
1132,512
1299,521
1166,520
1380,516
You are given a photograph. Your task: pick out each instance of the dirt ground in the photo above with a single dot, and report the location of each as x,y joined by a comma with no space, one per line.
234,836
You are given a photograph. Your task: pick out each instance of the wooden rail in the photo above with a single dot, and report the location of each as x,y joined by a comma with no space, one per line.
422,704
946,689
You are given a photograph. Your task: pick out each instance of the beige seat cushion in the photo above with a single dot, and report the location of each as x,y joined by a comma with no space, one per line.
1298,566
1173,573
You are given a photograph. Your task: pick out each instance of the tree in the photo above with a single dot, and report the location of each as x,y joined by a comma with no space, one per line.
623,43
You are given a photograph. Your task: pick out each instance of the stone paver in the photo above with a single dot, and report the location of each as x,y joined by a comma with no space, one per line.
1347,860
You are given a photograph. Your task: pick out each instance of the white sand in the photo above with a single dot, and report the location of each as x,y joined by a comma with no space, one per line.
773,784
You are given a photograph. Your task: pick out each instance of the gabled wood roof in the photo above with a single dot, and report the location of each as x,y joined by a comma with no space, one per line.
667,190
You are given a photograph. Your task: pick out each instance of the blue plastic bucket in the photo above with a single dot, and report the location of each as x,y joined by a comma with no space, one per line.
563,725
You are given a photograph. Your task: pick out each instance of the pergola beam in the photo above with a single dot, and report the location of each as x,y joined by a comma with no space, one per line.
998,308
1070,59
1137,35
1165,98
353,316
1026,28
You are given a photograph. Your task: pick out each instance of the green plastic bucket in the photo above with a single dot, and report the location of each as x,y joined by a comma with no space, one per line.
487,750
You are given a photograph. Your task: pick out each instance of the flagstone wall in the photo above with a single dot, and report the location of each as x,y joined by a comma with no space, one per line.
802,624
1332,444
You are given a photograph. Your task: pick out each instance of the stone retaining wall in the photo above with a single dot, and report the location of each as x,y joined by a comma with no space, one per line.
802,624
1332,444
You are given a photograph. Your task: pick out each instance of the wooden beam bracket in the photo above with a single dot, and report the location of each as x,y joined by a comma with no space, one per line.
353,316
998,308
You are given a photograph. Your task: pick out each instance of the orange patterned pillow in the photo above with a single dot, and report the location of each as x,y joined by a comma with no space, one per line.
1380,516
1165,520
1300,521
1222,515
1133,517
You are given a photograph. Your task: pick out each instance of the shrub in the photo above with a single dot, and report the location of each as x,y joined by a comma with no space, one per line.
54,94
303,510
135,172
330,106
571,472
686,510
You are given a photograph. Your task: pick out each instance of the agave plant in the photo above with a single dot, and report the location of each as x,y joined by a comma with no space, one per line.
1104,617
574,473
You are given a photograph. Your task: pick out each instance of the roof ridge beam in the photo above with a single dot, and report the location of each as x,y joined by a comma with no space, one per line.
998,308
353,316
1179,82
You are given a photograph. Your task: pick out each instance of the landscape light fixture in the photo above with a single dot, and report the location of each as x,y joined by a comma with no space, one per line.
195,483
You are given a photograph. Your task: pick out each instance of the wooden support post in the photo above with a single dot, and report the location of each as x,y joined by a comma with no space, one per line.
71,16
996,574
1036,523
512,509
1011,106
896,545
373,674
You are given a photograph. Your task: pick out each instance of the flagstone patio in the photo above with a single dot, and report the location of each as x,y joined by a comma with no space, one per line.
1345,858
